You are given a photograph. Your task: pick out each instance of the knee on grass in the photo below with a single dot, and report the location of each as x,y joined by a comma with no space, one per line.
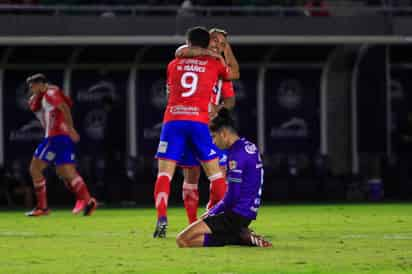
181,241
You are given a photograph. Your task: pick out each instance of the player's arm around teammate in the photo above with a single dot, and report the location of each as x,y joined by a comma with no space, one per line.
185,51
190,82
223,97
220,37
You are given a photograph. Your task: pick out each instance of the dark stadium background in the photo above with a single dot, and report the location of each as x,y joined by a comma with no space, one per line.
325,93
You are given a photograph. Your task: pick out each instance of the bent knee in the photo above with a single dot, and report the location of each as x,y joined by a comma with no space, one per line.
67,172
63,175
181,241
35,170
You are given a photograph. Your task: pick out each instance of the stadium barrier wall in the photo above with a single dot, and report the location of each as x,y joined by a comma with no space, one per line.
279,106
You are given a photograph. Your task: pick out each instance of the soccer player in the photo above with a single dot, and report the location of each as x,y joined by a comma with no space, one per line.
52,108
222,90
227,222
190,82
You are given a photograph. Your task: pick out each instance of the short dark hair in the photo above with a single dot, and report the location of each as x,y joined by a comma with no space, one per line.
36,78
224,119
198,36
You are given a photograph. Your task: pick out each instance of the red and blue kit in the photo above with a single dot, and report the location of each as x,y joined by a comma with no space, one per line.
190,83
56,147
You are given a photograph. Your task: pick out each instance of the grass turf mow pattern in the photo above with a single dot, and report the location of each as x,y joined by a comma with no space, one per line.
368,238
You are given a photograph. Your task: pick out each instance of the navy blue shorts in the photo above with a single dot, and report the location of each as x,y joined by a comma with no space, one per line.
226,228
58,150
189,159
178,136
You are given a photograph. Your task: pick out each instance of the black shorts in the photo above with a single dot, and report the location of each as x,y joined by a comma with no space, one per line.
226,228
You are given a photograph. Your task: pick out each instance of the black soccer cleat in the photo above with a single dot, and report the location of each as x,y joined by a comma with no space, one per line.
90,207
160,231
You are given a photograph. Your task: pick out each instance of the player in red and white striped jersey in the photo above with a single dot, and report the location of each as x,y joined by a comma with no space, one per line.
52,107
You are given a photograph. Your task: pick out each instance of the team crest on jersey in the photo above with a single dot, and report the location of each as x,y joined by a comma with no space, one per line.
232,164
250,148
50,156
162,147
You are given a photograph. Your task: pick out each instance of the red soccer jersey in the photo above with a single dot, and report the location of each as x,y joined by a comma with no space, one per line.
190,83
223,89
50,116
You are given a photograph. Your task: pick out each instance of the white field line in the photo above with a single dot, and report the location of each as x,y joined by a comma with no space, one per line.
400,236
72,234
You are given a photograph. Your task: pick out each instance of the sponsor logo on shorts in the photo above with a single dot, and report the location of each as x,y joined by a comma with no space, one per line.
162,147
212,152
50,156
223,159
72,156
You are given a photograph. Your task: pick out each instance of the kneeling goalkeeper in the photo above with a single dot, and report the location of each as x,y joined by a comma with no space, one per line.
228,221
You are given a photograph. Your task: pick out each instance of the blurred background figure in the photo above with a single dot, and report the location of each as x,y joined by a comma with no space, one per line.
4,189
316,8
113,162
405,156
15,187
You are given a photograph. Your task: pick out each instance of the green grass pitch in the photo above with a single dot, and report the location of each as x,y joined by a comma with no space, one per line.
330,239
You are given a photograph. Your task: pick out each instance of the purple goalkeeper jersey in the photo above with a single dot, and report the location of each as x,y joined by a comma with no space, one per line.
245,180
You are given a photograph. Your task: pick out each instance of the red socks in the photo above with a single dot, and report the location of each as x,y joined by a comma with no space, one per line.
41,195
217,189
79,188
191,200
161,193
68,186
